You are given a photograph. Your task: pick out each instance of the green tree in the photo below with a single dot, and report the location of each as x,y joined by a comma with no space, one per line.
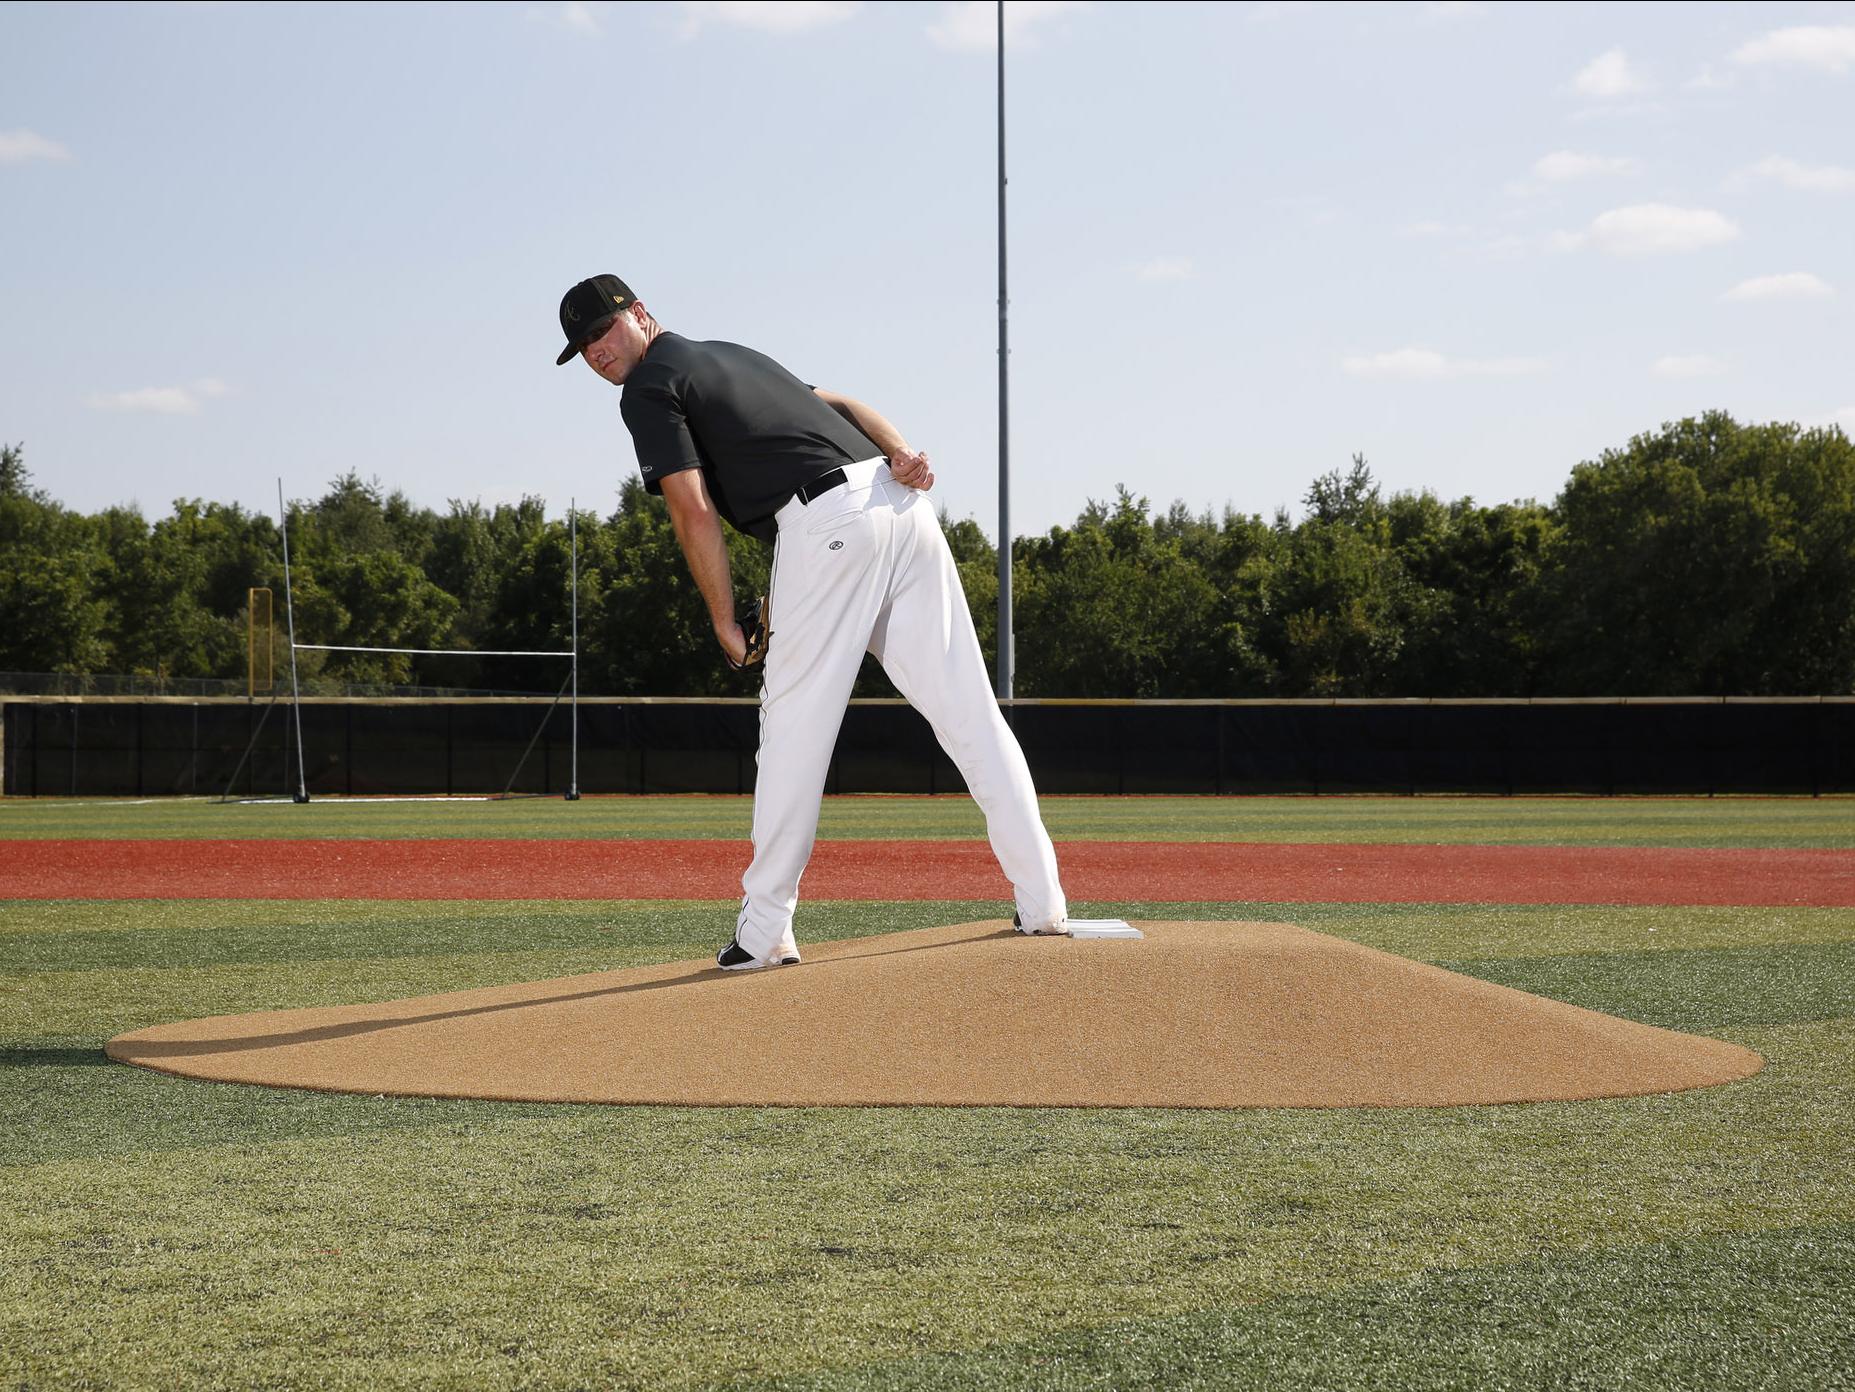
1110,608
646,626
1471,575
1708,558
1333,603
50,617
353,587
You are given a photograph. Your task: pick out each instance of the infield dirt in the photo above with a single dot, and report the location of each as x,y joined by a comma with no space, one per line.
846,869
1195,1015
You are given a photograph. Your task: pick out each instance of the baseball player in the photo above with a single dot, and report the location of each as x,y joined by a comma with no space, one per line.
859,565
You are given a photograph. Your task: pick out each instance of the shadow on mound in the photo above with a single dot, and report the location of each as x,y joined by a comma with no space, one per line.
1195,1015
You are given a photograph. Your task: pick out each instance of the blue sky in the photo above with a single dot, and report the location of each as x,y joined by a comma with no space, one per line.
1476,243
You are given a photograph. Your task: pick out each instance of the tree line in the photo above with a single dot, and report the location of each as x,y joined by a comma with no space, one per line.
1706,558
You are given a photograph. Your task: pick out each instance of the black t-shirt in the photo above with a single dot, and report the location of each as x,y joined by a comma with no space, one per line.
758,433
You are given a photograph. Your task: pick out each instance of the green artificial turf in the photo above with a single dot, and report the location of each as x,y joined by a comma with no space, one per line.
1778,822
164,1232
1716,988
590,935
1704,1314
385,1243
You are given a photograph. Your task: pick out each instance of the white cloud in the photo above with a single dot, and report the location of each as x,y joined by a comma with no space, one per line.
766,16
1166,268
1564,165
1826,48
1798,285
160,401
18,146
1609,75
1820,178
1845,418
1426,365
1692,365
1651,229
973,25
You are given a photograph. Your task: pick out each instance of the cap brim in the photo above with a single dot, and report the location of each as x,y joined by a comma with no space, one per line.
568,354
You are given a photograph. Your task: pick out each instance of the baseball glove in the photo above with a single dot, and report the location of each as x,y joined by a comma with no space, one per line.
753,628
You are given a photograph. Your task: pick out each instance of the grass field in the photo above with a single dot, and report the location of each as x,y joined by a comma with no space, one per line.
164,1232
1777,822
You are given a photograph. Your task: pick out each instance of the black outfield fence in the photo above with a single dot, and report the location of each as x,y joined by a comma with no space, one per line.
145,747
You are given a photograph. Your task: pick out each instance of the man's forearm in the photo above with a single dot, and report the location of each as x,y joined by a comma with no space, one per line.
872,423
698,532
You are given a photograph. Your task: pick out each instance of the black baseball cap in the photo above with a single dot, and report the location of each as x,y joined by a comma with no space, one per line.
584,306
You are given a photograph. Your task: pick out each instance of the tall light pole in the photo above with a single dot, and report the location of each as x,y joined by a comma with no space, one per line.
1005,654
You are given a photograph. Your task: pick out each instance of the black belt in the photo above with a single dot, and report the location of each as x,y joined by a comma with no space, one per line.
824,483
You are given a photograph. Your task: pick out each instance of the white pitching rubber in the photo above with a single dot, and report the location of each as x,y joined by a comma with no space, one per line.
1103,928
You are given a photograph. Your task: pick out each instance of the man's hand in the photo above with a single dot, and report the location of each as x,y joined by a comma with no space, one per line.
745,643
908,467
905,466
733,643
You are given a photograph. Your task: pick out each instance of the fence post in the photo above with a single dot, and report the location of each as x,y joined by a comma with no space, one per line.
1816,751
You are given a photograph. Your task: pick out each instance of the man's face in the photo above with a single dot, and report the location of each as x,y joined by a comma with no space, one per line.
620,349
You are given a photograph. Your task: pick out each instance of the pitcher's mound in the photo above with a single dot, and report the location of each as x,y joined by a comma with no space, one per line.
1194,1015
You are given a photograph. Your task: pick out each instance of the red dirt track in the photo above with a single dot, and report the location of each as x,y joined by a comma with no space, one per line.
1099,870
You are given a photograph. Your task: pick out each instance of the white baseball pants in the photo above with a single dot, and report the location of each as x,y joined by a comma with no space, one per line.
865,568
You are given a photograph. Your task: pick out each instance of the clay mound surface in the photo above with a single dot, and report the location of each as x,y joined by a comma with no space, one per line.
1194,1015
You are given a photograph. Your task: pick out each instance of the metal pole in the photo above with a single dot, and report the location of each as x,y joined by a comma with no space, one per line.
289,608
573,716
1005,641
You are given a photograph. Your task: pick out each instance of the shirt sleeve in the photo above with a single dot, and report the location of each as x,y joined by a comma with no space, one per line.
659,428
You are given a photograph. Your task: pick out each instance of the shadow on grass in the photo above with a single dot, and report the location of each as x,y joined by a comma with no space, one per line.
53,1058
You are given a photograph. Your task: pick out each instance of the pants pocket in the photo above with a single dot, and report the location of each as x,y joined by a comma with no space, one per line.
842,514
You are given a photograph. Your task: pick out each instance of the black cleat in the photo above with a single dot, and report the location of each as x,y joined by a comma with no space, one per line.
734,957
1058,931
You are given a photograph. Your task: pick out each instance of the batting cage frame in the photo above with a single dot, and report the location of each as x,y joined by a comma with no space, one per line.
569,688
